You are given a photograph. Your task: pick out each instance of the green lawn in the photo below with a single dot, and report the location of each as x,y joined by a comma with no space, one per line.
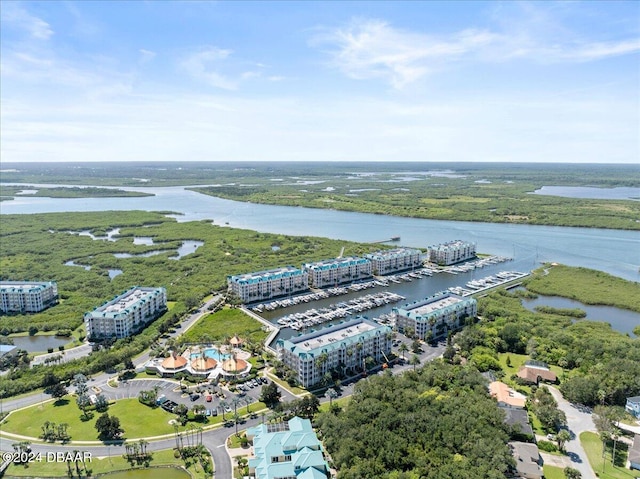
284,385
593,447
342,402
100,466
553,472
136,419
223,324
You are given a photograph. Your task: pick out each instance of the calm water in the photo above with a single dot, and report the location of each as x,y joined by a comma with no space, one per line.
614,251
620,319
39,344
414,290
589,192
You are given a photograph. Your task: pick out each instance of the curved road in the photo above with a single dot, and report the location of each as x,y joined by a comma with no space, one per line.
578,422
214,439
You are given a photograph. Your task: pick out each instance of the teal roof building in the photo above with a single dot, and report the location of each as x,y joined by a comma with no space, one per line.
287,450
343,346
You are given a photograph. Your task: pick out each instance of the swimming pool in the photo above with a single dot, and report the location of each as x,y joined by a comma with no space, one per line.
211,353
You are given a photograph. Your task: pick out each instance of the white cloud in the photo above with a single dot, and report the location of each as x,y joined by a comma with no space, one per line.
371,48
146,55
202,65
18,17
598,51
374,49
250,74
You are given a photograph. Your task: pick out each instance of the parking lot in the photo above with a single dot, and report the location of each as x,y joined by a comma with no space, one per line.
214,398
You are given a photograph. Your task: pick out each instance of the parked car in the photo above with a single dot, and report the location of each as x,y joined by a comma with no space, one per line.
209,398
194,396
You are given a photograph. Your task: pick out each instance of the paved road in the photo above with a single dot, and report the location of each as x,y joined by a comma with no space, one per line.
214,440
578,421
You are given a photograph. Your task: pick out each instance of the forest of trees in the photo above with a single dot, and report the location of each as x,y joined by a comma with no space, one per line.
601,365
435,422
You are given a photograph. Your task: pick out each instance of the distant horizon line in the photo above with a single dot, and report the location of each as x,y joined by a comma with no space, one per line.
4,164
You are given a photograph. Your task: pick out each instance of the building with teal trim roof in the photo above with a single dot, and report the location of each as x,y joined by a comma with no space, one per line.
272,283
339,346
126,314
394,260
436,315
287,450
27,296
332,272
451,252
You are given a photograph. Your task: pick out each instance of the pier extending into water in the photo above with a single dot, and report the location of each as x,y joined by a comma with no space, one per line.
490,282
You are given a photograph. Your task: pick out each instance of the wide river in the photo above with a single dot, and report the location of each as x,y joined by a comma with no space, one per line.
614,251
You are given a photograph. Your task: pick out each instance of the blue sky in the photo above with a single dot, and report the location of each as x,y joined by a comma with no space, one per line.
320,81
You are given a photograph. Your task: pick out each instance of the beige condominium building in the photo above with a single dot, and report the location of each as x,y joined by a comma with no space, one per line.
434,316
27,296
272,283
126,314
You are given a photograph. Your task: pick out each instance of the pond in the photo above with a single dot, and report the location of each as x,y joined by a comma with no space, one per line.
73,263
621,320
143,240
149,473
114,272
187,247
39,344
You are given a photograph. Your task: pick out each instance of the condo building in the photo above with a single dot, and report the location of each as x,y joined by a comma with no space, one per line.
393,260
451,252
126,314
332,272
339,346
27,296
268,284
287,450
434,316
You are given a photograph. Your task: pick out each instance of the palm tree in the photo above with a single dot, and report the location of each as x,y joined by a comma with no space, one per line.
403,349
223,405
235,403
236,420
415,361
562,437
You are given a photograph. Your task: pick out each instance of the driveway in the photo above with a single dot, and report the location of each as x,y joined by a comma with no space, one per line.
578,422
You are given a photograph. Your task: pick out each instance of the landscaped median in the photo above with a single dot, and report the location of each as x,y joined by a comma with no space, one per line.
103,465
137,420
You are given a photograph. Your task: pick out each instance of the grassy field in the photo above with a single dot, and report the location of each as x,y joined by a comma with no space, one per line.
585,285
223,324
136,419
553,472
593,447
283,384
102,465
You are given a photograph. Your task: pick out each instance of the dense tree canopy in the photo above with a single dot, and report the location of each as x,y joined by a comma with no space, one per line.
437,422
594,356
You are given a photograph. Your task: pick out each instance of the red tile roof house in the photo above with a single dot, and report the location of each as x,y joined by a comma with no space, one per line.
534,372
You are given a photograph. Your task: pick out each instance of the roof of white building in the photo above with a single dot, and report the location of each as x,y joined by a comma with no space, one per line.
125,302
335,263
393,253
25,286
266,275
437,303
347,332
